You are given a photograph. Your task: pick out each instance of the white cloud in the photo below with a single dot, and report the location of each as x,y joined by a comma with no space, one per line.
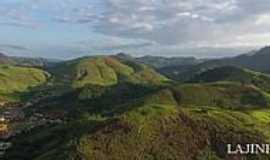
166,23
143,26
195,16
183,14
180,21
263,19
114,20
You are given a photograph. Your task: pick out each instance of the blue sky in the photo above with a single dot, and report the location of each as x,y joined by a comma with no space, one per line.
73,28
33,28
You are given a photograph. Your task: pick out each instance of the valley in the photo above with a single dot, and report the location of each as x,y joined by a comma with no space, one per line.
119,107
134,80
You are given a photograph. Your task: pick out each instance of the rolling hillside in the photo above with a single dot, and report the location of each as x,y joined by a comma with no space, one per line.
257,61
234,74
5,59
17,80
161,62
116,108
27,62
110,100
185,122
104,71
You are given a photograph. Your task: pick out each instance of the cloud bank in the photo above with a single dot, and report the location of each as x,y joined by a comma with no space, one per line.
151,25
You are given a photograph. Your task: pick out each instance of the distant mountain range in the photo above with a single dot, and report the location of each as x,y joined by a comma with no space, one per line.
4,59
104,71
256,60
25,61
123,107
72,74
160,62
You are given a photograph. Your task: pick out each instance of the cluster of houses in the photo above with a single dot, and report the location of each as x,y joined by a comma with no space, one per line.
13,115
10,117
5,116
4,146
2,104
39,119
10,105
3,129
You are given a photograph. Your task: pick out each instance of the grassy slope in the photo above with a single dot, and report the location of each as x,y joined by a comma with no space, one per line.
167,124
185,122
150,132
107,100
223,94
234,74
104,71
17,80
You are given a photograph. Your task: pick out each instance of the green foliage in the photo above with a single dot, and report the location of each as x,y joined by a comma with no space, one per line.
103,71
225,95
14,81
234,74
119,109
226,73
207,154
258,61
158,124
95,99
91,92
114,99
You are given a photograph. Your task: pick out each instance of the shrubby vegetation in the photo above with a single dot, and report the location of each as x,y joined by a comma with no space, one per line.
159,123
103,71
16,81
119,109
233,74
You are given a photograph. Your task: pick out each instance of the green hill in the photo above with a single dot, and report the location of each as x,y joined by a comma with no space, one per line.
161,62
256,60
15,81
104,71
234,74
224,95
115,99
26,61
118,109
227,73
149,132
185,122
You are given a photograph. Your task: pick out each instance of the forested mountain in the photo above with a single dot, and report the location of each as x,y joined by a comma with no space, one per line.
115,107
27,62
257,61
5,59
15,81
161,62
103,71
180,122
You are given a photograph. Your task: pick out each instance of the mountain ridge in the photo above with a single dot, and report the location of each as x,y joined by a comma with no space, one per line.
114,107
258,61
27,61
